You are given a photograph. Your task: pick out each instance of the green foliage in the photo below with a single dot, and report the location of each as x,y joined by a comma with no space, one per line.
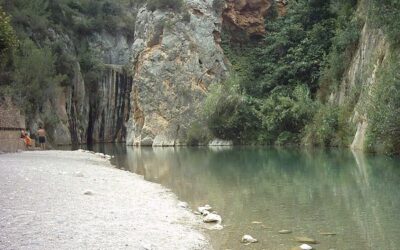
294,48
175,5
34,76
8,39
229,114
198,134
383,110
344,44
385,14
284,114
323,128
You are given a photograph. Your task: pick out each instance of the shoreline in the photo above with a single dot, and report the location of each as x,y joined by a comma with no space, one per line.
72,199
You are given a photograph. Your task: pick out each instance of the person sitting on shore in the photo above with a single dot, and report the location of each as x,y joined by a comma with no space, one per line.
42,137
26,138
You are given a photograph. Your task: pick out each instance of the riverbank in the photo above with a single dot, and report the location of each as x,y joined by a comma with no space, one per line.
67,200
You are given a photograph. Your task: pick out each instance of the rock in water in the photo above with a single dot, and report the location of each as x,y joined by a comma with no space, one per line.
306,247
212,218
284,231
248,239
306,240
205,213
205,208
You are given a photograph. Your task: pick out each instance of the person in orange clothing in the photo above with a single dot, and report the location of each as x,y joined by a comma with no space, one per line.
27,139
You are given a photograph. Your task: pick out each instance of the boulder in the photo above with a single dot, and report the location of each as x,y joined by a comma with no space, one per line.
210,218
248,239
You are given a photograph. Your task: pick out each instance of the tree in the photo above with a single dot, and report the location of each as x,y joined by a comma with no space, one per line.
8,39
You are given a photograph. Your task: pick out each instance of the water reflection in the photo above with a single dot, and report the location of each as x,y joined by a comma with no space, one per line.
308,192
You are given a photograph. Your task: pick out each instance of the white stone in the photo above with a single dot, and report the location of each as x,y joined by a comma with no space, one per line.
248,239
205,208
306,247
205,213
212,218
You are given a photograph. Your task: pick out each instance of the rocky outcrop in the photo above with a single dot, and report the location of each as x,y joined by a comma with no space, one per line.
361,77
86,113
246,18
176,56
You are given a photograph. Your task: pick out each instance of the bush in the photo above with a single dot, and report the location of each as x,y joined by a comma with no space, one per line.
383,111
285,112
385,14
229,114
34,76
198,134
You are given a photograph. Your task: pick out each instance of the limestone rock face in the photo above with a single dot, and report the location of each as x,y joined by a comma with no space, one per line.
109,100
176,56
367,61
81,112
246,17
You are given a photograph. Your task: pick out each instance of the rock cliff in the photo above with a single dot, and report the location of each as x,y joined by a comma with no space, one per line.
246,18
361,77
176,56
86,113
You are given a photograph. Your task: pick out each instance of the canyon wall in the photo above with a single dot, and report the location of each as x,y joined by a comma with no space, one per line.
176,56
360,77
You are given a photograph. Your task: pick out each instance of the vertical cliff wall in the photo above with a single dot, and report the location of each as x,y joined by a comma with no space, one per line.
109,109
80,112
360,77
176,56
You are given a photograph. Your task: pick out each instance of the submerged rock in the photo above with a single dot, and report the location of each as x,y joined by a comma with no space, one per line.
327,234
248,239
216,227
212,218
306,240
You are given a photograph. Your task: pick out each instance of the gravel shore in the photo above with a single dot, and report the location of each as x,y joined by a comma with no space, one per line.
77,200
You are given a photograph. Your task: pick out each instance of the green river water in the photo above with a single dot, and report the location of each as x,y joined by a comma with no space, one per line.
354,195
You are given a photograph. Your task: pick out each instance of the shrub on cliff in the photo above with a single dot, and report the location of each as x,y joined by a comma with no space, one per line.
34,76
383,110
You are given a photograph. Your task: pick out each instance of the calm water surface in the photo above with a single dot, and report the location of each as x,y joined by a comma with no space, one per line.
354,195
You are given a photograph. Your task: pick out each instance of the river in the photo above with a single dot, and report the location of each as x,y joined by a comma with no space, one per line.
259,191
